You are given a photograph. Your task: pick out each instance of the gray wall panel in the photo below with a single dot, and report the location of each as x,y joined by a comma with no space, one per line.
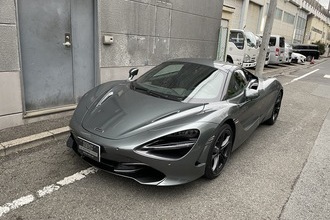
9,48
7,12
197,49
163,22
212,8
207,8
187,26
159,49
148,32
127,50
127,17
211,28
194,27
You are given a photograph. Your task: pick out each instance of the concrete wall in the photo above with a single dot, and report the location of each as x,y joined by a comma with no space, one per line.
236,15
316,30
282,28
10,85
148,32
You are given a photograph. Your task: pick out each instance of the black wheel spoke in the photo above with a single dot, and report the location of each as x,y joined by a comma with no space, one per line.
219,152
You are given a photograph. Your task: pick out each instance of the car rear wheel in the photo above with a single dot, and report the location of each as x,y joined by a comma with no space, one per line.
276,110
219,152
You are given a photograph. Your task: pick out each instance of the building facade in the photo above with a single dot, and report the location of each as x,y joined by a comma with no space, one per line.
52,52
299,21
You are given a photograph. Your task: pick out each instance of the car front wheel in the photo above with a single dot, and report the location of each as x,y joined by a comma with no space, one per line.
276,110
219,152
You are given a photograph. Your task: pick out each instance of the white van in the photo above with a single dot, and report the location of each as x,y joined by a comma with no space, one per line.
276,49
243,48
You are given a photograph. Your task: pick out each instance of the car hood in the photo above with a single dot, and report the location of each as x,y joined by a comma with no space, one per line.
122,112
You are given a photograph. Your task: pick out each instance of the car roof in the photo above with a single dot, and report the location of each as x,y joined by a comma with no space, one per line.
207,62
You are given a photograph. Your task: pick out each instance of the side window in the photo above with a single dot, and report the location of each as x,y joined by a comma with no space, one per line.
251,39
272,41
237,84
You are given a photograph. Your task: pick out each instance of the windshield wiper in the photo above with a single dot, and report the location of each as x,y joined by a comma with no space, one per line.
137,87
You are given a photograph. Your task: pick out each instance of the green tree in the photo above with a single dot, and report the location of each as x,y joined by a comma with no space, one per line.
321,47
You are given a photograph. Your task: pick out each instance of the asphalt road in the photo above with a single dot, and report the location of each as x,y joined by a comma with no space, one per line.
281,172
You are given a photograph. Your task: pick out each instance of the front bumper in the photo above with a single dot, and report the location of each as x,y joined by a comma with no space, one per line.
249,65
125,161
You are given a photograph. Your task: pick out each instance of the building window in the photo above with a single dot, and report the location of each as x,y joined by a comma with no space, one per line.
301,23
278,14
300,30
288,18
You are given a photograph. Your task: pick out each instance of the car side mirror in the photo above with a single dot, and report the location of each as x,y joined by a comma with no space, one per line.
251,93
253,84
132,72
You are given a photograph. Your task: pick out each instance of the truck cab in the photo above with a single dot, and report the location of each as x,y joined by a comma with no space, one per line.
243,48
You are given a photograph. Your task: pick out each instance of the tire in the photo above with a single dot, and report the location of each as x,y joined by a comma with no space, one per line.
276,110
219,152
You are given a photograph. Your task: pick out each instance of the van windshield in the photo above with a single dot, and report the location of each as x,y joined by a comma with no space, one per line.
237,38
251,39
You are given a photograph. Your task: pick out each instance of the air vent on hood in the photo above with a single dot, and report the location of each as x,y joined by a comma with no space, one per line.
166,115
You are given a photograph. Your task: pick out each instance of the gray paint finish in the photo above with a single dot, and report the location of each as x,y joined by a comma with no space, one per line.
9,48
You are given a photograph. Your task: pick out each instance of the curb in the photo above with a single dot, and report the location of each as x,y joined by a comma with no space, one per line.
31,141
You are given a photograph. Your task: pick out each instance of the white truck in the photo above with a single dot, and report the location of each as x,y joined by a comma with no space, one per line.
243,48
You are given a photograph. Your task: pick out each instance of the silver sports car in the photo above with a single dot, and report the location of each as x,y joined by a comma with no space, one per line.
179,121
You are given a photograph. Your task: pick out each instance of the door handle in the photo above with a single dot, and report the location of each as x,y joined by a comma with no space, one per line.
67,44
67,40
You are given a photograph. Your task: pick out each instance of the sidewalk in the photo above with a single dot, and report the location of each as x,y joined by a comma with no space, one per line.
22,137
30,135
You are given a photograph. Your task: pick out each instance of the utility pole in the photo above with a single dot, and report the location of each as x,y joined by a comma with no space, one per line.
265,37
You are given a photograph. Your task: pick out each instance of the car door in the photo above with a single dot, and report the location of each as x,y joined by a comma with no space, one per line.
246,116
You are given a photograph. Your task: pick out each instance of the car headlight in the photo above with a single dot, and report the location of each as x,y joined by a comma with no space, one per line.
172,146
247,58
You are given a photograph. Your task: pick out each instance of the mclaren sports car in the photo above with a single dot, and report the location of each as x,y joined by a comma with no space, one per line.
177,122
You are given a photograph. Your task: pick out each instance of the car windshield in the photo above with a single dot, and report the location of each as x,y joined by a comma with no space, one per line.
186,82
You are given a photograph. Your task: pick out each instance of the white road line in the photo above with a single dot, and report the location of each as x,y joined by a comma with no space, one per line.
301,77
327,76
47,190
16,204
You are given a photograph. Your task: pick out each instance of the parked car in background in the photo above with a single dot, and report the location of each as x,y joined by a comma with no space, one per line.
308,50
298,58
276,49
287,53
243,48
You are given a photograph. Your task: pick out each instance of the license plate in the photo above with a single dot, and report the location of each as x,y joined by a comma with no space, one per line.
90,150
